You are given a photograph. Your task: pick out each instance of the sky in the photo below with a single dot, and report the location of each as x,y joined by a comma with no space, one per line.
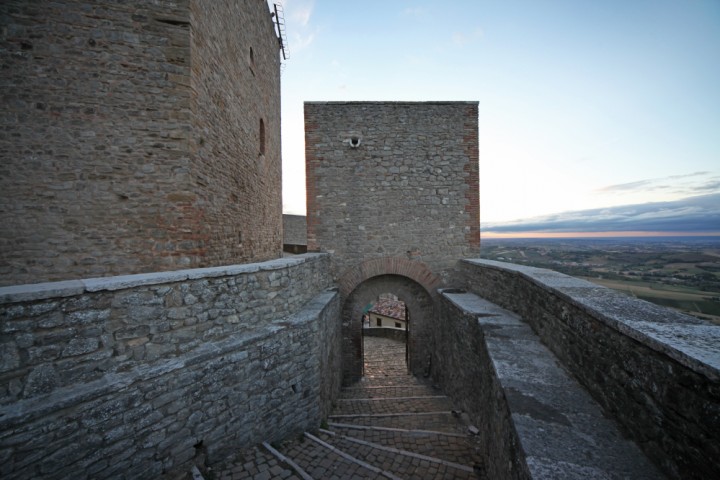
584,105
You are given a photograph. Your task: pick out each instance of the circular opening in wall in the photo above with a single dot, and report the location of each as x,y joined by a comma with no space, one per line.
354,142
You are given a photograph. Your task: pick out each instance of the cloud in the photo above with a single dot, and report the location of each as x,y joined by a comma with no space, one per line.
298,15
694,214
688,184
300,41
460,39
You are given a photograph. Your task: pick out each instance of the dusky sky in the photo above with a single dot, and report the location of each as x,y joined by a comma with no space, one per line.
583,104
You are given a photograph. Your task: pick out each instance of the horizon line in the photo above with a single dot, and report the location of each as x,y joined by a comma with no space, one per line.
608,234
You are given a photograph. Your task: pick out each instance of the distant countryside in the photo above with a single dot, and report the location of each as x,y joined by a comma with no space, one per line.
677,272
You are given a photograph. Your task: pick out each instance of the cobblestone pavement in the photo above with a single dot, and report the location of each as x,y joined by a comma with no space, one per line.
388,425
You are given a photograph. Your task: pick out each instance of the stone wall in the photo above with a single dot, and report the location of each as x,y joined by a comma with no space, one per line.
294,233
462,366
656,371
235,162
534,420
129,137
133,375
392,179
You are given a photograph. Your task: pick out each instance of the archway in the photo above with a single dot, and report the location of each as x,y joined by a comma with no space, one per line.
418,302
385,334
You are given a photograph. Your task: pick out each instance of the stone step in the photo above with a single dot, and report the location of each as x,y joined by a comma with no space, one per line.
452,447
381,391
403,380
256,463
403,464
321,462
441,421
414,404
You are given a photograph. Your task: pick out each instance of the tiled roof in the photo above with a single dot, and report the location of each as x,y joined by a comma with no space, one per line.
390,308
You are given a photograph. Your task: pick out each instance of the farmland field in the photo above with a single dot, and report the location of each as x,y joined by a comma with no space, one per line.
679,273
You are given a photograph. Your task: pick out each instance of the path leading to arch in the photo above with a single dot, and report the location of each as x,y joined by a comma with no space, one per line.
387,425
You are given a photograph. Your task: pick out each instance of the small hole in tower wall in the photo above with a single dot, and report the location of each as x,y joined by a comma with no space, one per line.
294,388
354,142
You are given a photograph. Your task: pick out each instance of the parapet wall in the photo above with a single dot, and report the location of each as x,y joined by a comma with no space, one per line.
656,371
133,375
534,420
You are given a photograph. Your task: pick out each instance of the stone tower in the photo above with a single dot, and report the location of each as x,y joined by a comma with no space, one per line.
137,136
392,179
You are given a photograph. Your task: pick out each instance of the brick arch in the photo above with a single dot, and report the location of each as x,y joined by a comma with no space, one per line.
412,269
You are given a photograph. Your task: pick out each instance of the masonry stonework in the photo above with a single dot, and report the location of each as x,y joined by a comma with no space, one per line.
141,140
392,179
655,371
131,377
130,137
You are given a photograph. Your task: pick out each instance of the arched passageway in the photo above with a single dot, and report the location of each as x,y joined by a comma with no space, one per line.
419,304
385,333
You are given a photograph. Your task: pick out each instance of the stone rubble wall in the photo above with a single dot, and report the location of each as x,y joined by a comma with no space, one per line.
655,371
129,137
134,375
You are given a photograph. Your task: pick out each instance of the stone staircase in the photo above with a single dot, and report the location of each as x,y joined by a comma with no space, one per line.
388,425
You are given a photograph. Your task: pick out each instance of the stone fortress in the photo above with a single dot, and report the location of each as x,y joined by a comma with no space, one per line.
148,314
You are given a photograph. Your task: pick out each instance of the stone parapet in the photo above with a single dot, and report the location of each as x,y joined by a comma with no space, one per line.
137,374
654,370
535,420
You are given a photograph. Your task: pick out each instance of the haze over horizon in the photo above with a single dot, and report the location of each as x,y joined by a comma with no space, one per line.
698,215
584,106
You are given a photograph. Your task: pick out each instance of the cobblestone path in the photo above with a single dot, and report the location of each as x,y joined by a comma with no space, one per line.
388,425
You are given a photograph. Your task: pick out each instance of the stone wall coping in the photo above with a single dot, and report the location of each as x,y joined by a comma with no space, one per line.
65,397
380,102
562,430
693,342
42,291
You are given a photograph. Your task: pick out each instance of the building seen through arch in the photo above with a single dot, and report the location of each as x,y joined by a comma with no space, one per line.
387,318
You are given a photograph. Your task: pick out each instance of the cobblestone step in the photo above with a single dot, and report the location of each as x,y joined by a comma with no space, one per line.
393,405
381,391
452,447
404,464
434,421
388,425
404,380
321,462
257,464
